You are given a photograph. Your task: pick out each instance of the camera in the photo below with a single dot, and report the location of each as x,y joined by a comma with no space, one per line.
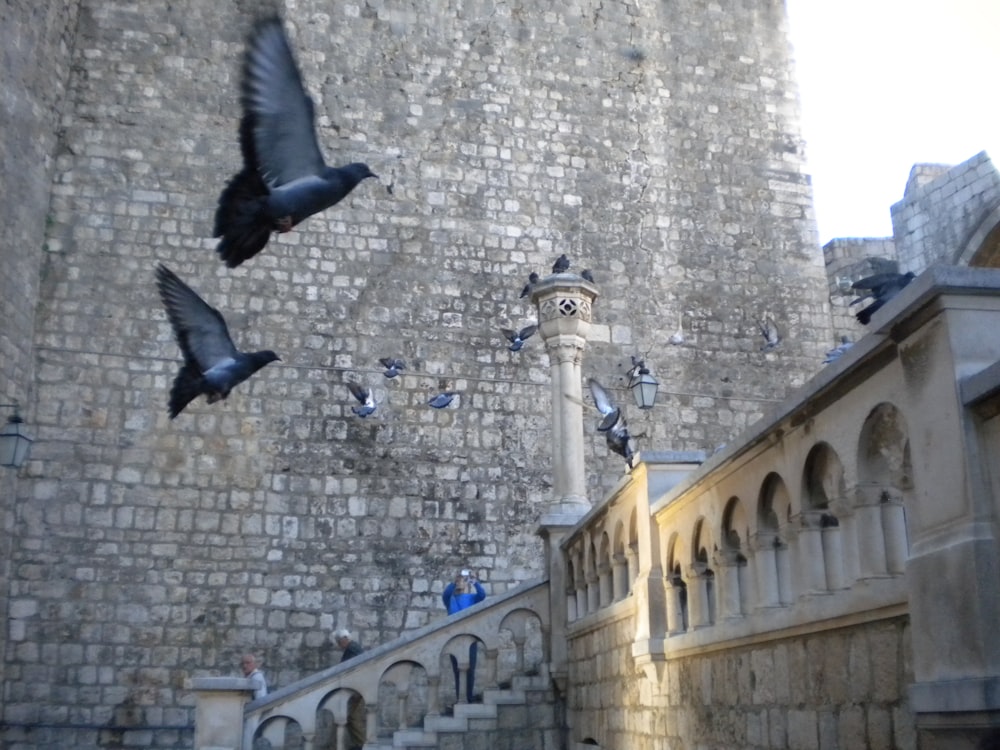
466,573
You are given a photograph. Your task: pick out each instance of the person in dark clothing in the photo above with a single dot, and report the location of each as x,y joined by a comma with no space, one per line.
356,721
461,593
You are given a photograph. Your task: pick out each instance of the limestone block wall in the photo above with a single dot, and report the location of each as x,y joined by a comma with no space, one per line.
840,688
654,143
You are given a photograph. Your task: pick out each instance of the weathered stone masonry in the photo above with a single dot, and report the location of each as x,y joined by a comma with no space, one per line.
654,143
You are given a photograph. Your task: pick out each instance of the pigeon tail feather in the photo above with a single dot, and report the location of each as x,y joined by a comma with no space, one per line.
188,385
241,219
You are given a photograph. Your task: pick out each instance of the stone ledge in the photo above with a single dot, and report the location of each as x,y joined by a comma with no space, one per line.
949,696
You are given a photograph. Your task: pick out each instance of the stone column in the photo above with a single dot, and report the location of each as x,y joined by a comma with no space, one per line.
620,576
564,303
606,595
894,535
812,575
218,717
765,565
871,540
675,611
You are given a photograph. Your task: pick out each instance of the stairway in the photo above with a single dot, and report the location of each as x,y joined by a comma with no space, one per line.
521,717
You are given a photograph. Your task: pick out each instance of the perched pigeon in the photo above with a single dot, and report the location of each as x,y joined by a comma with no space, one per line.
364,397
587,275
770,333
532,280
517,338
284,179
835,353
212,365
613,423
392,366
441,400
561,265
880,287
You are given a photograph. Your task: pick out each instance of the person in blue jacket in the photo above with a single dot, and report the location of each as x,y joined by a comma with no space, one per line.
463,592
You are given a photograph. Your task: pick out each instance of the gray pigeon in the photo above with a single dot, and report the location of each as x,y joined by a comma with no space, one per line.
517,338
587,275
392,366
561,265
364,397
770,333
284,179
212,365
613,423
881,287
441,400
837,351
532,280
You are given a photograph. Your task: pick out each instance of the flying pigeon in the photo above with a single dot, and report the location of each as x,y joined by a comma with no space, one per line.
212,365
561,265
587,275
517,338
881,287
835,353
613,423
284,179
441,400
392,366
532,280
677,337
364,397
770,333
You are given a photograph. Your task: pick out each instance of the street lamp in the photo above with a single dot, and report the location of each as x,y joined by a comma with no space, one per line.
14,442
643,386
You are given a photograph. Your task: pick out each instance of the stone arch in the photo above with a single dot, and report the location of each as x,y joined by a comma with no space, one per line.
820,541
604,582
334,715
278,732
677,599
403,696
701,576
731,560
772,569
885,479
522,647
461,669
982,248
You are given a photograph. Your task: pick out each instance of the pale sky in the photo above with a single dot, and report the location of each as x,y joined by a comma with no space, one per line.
886,84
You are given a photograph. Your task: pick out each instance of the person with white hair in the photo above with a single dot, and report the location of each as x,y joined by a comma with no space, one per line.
252,672
356,720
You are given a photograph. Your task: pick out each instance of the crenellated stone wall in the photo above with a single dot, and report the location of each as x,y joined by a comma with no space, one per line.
656,144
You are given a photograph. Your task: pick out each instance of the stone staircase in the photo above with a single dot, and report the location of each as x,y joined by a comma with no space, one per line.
521,717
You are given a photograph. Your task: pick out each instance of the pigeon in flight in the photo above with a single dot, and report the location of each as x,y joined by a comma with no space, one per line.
881,287
441,400
770,333
561,265
517,338
364,397
284,179
392,366
532,280
212,365
612,423
837,351
677,337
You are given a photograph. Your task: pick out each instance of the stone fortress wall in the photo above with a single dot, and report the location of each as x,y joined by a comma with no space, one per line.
656,144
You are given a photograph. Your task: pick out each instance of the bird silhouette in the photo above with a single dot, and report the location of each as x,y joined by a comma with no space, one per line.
284,179
769,331
517,338
364,397
838,351
532,280
677,337
880,287
212,365
392,366
441,400
587,275
561,265
613,423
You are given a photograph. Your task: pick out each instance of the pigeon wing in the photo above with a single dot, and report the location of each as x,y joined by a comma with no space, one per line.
281,112
601,399
200,329
359,392
527,331
510,334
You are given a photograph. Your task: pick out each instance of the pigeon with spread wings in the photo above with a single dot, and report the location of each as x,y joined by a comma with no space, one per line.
284,179
212,365
612,423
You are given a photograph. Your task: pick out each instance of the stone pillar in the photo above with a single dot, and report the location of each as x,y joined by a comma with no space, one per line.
606,593
593,592
218,717
620,576
894,536
675,611
730,599
765,563
871,540
564,308
833,558
699,613
812,576
433,697
564,303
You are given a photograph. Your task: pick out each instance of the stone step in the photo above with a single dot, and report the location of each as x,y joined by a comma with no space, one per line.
475,710
535,682
410,738
503,697
446,723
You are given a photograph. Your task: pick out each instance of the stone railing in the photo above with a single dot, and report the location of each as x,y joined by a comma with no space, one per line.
400,683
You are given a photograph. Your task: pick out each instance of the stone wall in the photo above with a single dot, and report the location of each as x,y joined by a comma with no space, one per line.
843,688
654,143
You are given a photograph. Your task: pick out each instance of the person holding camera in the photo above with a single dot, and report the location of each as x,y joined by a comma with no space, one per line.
460,594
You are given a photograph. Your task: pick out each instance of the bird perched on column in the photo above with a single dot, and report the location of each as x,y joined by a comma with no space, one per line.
212,365
561,265
284,179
